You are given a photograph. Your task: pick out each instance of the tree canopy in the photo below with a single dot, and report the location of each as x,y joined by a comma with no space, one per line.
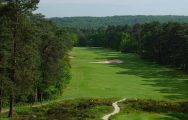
104,22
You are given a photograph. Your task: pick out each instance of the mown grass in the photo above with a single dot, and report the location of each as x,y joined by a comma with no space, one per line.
135,78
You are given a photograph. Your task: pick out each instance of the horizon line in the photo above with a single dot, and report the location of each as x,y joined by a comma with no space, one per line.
113,16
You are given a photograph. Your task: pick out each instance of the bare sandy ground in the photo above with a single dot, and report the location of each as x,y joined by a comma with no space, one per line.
115,61
4,110
71,57
116,110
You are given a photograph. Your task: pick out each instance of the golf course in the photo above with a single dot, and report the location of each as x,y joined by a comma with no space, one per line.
93,60
134,78
100,77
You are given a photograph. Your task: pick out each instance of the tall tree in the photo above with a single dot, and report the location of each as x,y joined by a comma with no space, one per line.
16,11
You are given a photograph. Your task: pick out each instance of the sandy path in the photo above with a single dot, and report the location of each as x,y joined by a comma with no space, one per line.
116,109
4,110
116,61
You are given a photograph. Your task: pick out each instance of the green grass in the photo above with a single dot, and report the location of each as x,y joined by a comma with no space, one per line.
78,109
143,116
95,109
152,110
135,78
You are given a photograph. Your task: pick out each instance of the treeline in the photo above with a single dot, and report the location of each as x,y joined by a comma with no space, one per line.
34,59
165,43
104,22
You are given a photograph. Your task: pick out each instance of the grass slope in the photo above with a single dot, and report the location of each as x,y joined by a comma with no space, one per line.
134,78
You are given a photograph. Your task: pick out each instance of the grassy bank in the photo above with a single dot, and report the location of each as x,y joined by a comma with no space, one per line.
78,109
95,109
152,110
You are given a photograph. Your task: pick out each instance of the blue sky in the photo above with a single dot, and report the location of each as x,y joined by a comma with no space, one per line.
68,8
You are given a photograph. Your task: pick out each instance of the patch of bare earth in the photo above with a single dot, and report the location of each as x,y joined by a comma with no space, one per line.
115,61
71,57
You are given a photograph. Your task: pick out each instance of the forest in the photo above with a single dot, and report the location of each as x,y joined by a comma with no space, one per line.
164,43
104,22
34,55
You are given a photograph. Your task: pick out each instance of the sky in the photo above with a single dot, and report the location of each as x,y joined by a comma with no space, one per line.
69,8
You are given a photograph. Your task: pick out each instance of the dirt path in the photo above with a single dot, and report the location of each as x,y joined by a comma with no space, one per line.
4,111
116,109
115,61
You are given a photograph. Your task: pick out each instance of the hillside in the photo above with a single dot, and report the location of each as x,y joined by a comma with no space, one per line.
98,22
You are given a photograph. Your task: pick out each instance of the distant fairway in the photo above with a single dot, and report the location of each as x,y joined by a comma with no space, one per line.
132,79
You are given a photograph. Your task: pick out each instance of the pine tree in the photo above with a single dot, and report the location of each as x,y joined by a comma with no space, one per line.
16,12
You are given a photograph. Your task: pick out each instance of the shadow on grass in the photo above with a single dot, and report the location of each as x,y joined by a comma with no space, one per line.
180,116
167,80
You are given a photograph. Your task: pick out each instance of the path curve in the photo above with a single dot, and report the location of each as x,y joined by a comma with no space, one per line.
116,109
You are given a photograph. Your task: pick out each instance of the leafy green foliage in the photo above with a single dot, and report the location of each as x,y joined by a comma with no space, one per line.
128,44
104,22
34,59
152,110
79,109
165,43
89,109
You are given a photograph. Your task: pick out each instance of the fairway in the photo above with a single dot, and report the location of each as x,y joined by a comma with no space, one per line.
134,78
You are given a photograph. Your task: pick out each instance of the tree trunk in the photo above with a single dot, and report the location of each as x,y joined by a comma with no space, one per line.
11,99
11,103
139,42
13,76
41,97
1,99
36,94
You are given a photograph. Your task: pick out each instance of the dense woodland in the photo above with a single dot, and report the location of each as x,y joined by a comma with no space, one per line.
104,22
157,38
165,43
34,59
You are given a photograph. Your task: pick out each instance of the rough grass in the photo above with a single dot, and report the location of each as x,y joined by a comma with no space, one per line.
152,110
95,109
79,109
147,116
135,78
